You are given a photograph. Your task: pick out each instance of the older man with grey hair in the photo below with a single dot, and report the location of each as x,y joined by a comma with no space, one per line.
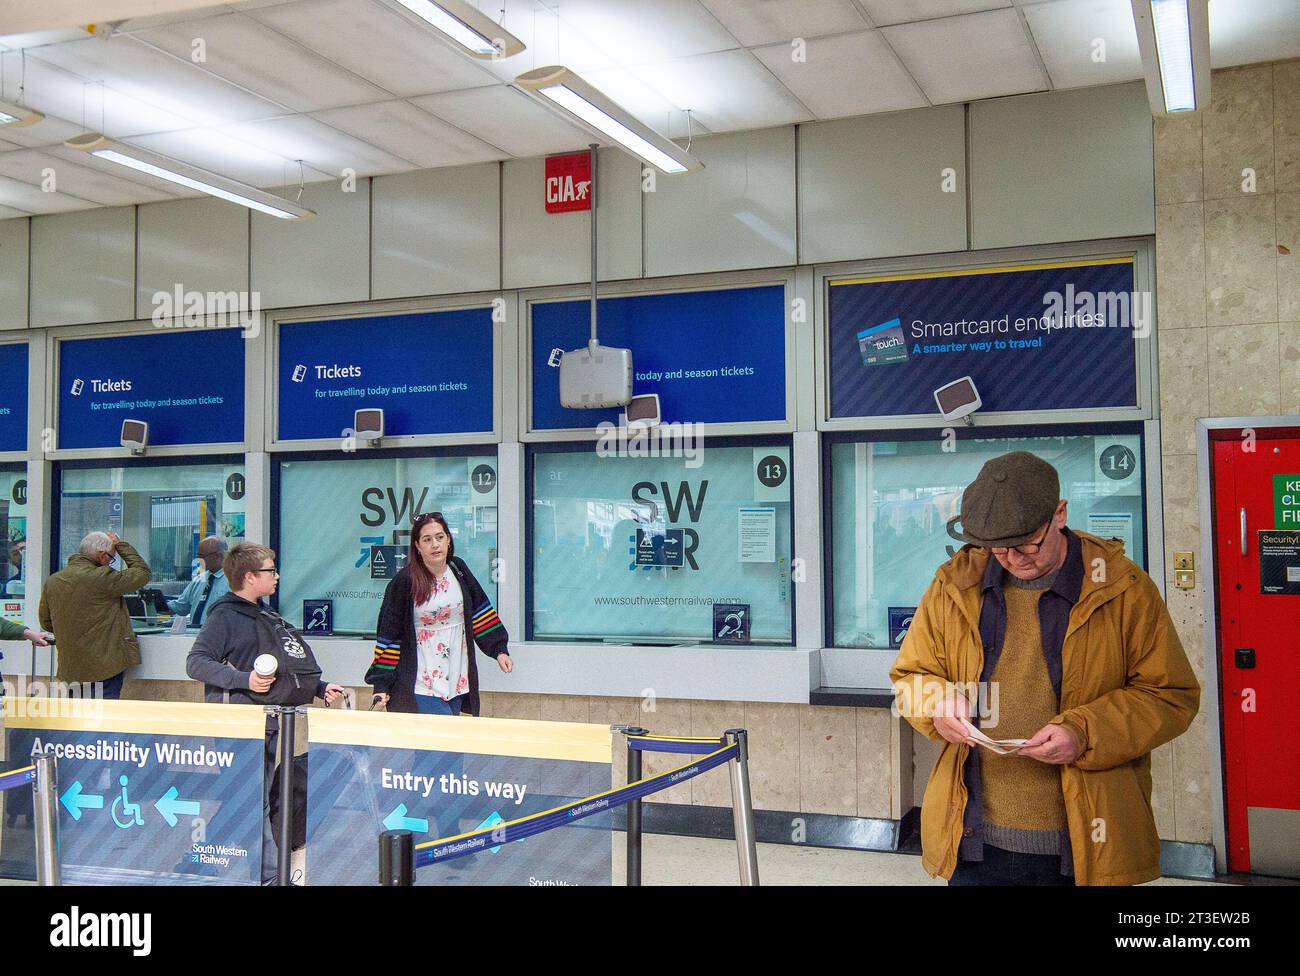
206,588
83,606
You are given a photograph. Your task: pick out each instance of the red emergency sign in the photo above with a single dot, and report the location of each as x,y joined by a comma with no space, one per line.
568,183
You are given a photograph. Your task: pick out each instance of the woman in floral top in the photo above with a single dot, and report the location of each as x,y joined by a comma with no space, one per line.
423,661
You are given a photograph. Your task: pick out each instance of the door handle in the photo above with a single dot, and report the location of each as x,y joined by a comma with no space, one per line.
1244,541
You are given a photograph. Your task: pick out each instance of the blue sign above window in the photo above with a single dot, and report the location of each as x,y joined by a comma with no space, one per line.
430,372
712,356
187,386
13,396
1049,336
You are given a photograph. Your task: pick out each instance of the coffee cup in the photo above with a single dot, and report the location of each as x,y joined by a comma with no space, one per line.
266,665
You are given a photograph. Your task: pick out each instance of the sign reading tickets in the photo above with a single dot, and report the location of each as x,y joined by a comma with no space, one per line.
712,356
430,372
439,777
13,396
1046,336
187,386
150,793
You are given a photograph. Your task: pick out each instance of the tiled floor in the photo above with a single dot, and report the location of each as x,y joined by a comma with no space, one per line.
667,860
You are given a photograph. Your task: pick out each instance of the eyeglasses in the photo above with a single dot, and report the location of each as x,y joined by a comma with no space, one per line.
1025,549
272,570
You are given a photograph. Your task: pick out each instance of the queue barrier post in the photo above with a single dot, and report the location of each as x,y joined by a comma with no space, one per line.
396,858
634,773
288,715
742,808
45,807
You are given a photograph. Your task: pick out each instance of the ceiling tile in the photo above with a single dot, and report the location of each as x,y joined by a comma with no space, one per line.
241,50
633,32
850,74
1254,32
1086,42
89,105
883,12
728,91
318,146
146,79
83,177
755,22
400,128
237,159
7,212
507,119
960,59
24,196
375,43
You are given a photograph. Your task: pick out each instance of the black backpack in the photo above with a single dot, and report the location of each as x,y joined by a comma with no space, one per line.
298,674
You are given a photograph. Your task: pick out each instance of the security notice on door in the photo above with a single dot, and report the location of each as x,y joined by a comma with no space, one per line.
149,793
1279,562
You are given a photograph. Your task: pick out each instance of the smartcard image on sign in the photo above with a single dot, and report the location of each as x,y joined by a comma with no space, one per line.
883,343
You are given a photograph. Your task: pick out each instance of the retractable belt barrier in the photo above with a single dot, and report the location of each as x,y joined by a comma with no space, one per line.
399,857
446,848
12,778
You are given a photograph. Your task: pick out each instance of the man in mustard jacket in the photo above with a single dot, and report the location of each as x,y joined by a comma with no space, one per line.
83,605
1035,632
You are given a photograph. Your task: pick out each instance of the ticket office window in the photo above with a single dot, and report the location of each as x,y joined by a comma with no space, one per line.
661,549
163,510
891,495
13,530
343,528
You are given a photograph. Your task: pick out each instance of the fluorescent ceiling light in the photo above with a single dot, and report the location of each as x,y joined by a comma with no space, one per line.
16,116
1174,39
558,86
183,174
478,34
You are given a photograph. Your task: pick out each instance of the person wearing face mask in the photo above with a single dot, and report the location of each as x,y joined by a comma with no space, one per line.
433,616
1065,643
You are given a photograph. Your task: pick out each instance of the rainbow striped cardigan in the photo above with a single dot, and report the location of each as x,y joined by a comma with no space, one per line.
393,669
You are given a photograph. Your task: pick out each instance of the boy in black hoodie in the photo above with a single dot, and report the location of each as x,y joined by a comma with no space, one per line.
223,654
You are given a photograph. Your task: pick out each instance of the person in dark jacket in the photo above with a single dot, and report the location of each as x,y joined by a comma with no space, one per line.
222,658
433,616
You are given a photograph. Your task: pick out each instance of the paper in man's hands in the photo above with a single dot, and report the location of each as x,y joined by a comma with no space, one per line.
1002,747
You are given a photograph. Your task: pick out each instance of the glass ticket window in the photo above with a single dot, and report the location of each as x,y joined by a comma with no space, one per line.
891,501
13,530
668,549
344,528
163,510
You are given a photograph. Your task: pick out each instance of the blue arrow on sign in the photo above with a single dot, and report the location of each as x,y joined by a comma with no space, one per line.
169,806
74,801
398,820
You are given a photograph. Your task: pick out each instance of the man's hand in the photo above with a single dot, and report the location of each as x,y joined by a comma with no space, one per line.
948,716
259,684
1054,744
504,662
379,699
113,536
37,637
332,692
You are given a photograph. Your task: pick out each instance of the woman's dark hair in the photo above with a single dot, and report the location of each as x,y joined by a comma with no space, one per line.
421,578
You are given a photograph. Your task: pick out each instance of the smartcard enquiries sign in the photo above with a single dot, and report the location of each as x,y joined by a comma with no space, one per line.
1018,331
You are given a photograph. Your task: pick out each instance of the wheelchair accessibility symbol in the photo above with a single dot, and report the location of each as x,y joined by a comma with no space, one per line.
130,811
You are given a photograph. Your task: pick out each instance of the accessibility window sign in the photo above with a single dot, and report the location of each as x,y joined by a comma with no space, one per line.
149,792
439,777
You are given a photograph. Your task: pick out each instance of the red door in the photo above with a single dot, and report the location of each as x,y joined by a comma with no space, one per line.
1256,491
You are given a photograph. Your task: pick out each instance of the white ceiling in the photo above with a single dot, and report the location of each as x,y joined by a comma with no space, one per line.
320,86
